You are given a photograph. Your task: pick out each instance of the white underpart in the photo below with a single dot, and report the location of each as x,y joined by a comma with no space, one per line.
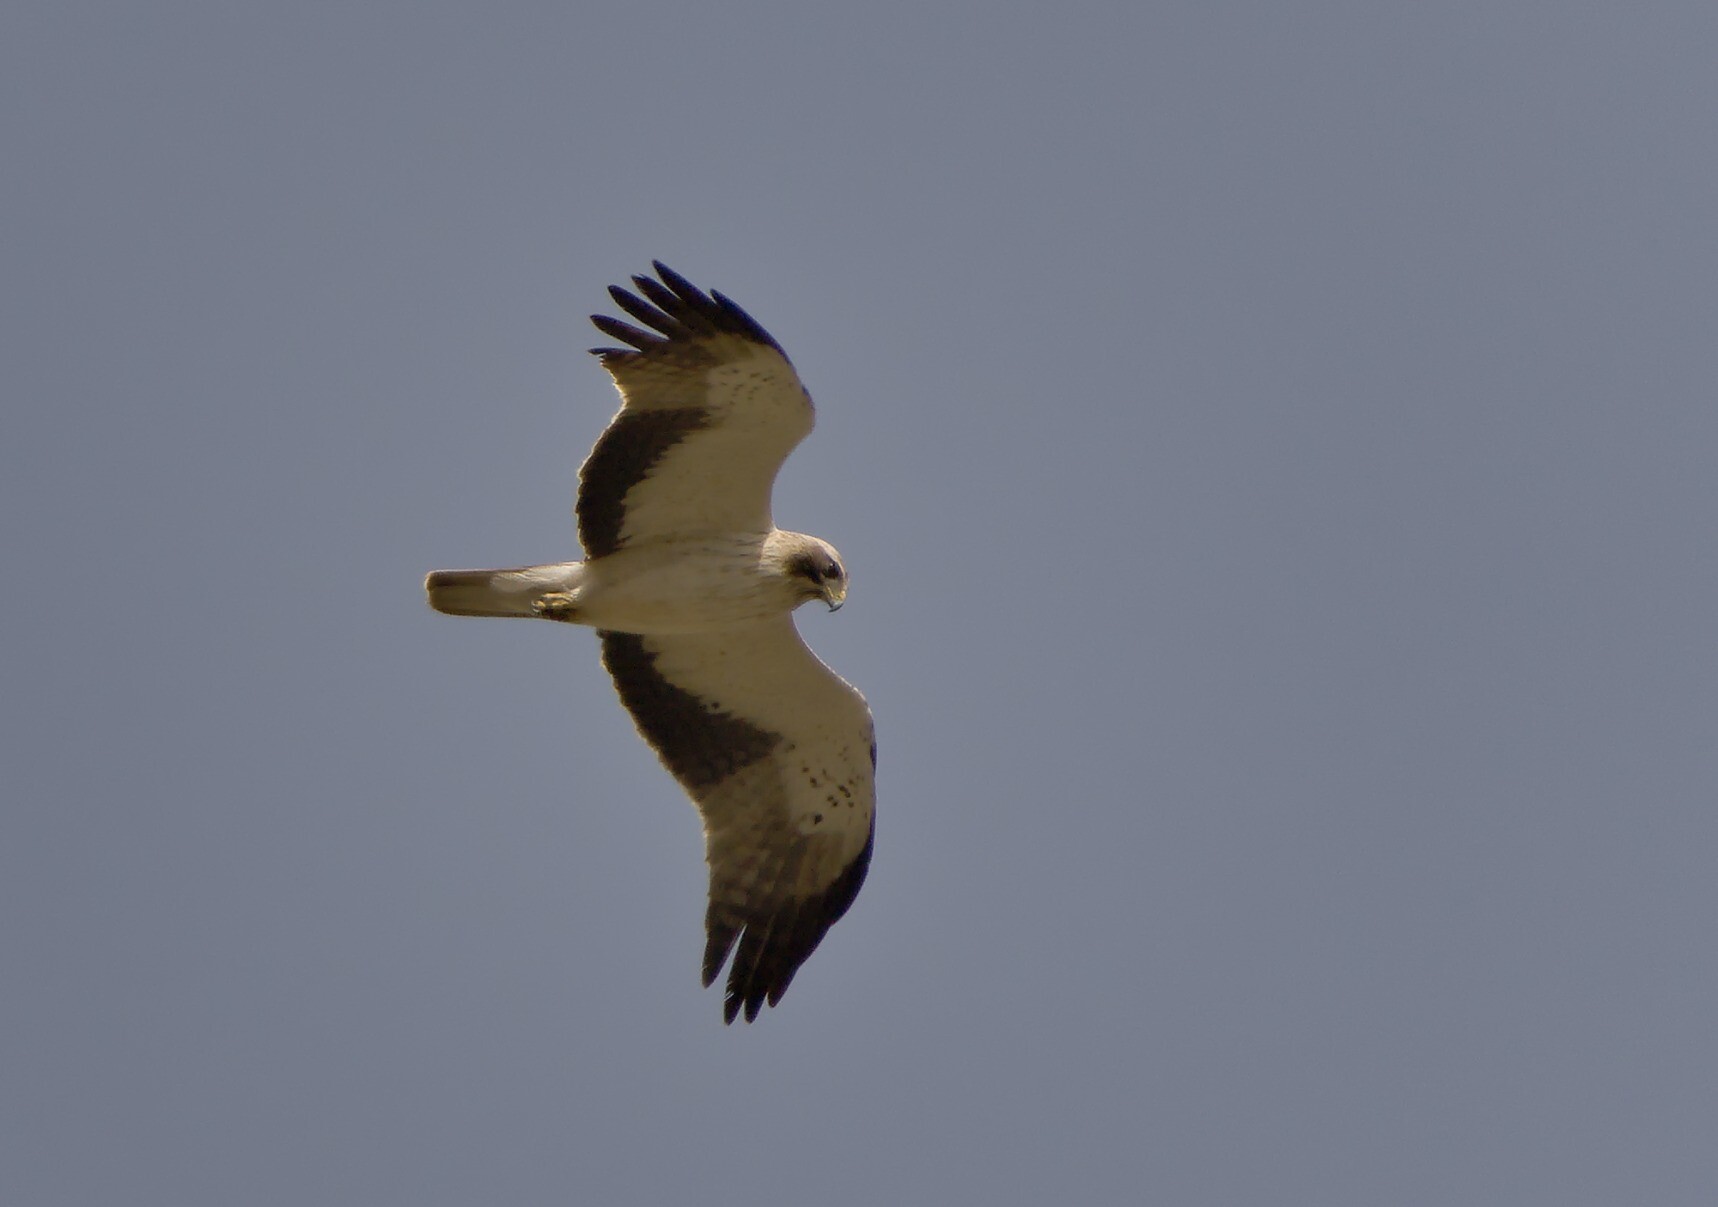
685,586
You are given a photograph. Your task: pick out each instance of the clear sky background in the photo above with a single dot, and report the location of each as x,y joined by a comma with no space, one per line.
1276,451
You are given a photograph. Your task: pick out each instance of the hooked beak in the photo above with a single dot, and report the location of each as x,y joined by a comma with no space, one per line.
834,594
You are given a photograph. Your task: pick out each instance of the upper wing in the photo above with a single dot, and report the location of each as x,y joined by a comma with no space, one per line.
709,409
777,751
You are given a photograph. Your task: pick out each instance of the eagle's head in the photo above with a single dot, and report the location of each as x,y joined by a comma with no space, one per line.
811,567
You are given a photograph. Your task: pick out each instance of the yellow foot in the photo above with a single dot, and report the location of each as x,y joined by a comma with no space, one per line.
556,605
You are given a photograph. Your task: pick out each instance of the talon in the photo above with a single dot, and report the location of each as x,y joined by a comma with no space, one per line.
557,605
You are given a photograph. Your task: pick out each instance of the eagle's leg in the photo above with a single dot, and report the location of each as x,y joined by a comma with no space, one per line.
557,605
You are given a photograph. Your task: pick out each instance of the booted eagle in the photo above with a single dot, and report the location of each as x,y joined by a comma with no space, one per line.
691,588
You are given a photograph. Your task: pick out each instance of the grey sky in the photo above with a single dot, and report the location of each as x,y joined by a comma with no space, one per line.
1274,448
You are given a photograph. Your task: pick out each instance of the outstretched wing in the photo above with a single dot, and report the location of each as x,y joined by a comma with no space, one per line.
710,408
778,754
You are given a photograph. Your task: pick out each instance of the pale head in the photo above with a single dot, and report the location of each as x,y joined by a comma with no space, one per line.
810,567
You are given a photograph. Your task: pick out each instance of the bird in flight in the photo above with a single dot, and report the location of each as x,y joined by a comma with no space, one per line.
691,588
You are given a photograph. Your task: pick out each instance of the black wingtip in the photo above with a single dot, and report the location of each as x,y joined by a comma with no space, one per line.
679,311
626,333
734,1005
738,317
676,282
770,949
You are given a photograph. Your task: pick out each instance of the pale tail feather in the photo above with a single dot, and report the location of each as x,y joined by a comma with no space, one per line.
498,592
